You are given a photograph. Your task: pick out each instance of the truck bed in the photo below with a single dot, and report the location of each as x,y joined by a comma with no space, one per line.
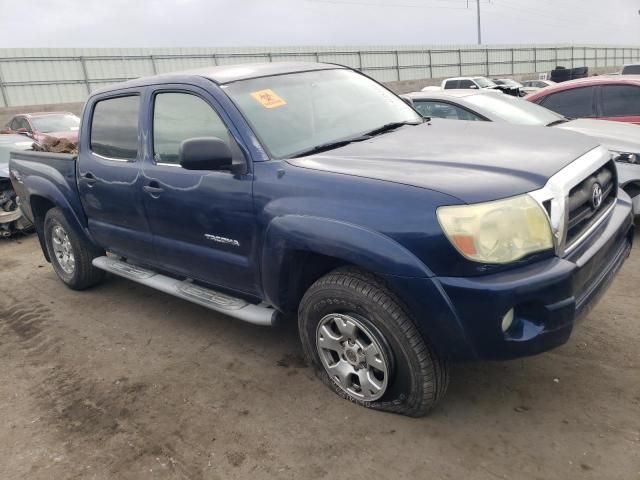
45,175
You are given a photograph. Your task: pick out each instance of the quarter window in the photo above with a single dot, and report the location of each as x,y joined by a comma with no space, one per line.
576,103
114,128
178,117
620,100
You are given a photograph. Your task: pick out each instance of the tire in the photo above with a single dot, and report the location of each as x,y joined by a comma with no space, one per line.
71,258
412,377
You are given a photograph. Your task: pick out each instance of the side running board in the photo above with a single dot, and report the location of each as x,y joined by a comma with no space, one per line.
220,302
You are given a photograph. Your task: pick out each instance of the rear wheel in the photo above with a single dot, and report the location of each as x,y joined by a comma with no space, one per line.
70,254
364,346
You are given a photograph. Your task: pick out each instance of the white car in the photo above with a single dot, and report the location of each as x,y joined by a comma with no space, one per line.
473,83
530,86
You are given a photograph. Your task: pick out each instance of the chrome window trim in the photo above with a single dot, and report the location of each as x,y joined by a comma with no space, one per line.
557,191
114,159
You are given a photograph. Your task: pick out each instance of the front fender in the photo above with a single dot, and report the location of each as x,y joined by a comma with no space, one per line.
355,244
350,243
402,271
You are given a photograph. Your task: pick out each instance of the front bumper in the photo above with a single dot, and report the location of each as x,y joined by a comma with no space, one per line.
548,297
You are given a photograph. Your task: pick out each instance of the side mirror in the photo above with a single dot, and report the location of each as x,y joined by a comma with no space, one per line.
205,153
474,87
23,131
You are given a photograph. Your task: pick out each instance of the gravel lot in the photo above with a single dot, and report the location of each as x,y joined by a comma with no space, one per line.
124,382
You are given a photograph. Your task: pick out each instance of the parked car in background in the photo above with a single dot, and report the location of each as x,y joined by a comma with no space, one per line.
631,69
309,190
562,74
614,98
514,86
473,83
530,86
41,126
622,140
12,220
477,83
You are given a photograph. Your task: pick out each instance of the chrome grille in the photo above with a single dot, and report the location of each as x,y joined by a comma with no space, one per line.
568,198
589,200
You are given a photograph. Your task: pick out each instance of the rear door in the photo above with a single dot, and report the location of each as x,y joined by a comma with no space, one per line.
620,103
202,221
109,178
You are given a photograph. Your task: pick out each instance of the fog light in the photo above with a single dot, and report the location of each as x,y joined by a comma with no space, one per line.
507,320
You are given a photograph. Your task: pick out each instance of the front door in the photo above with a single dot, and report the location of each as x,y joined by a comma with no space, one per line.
202,221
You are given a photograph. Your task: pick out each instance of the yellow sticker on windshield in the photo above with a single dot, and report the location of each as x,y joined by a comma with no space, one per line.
268,98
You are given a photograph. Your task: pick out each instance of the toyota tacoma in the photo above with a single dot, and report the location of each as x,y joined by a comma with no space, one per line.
283,190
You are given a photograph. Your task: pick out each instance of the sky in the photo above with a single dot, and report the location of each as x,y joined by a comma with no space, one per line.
238,23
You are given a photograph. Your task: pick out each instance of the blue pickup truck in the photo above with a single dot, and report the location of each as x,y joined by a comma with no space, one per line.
308,190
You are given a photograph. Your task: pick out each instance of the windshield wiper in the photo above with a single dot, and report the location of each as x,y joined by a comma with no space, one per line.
557,122
330,146
390,126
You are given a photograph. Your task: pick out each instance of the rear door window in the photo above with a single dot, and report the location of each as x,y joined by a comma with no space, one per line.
620,100
451,84
114,128
575,103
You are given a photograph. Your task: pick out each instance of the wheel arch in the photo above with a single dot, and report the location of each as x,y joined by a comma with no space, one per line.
298,250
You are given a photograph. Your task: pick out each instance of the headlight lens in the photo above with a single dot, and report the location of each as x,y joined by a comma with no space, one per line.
497,232
625,157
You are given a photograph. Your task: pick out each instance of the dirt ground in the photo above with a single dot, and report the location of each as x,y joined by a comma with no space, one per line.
125,382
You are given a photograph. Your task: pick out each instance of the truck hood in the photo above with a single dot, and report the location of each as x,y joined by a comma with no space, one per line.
472,161
619,136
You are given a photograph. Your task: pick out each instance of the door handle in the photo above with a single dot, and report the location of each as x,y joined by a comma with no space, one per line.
88,178
153,188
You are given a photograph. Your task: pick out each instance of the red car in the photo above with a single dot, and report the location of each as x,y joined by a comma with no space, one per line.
609,98
41,126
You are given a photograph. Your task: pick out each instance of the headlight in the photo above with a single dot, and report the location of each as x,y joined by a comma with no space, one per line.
625,157
497,232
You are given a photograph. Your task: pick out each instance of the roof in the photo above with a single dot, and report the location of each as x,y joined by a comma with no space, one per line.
41,114
464,78
223,74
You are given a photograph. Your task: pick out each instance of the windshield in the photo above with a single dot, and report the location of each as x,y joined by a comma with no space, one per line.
294,113
484,82
55,123
513,110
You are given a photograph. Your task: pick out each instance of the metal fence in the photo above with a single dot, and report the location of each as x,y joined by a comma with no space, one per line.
45,76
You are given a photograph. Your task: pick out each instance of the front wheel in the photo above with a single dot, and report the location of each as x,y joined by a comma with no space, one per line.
364,346
70,254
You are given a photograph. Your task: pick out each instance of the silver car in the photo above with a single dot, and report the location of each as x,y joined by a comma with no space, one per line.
622,139
11,219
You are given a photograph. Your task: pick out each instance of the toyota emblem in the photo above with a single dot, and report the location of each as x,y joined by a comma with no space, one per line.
596,196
